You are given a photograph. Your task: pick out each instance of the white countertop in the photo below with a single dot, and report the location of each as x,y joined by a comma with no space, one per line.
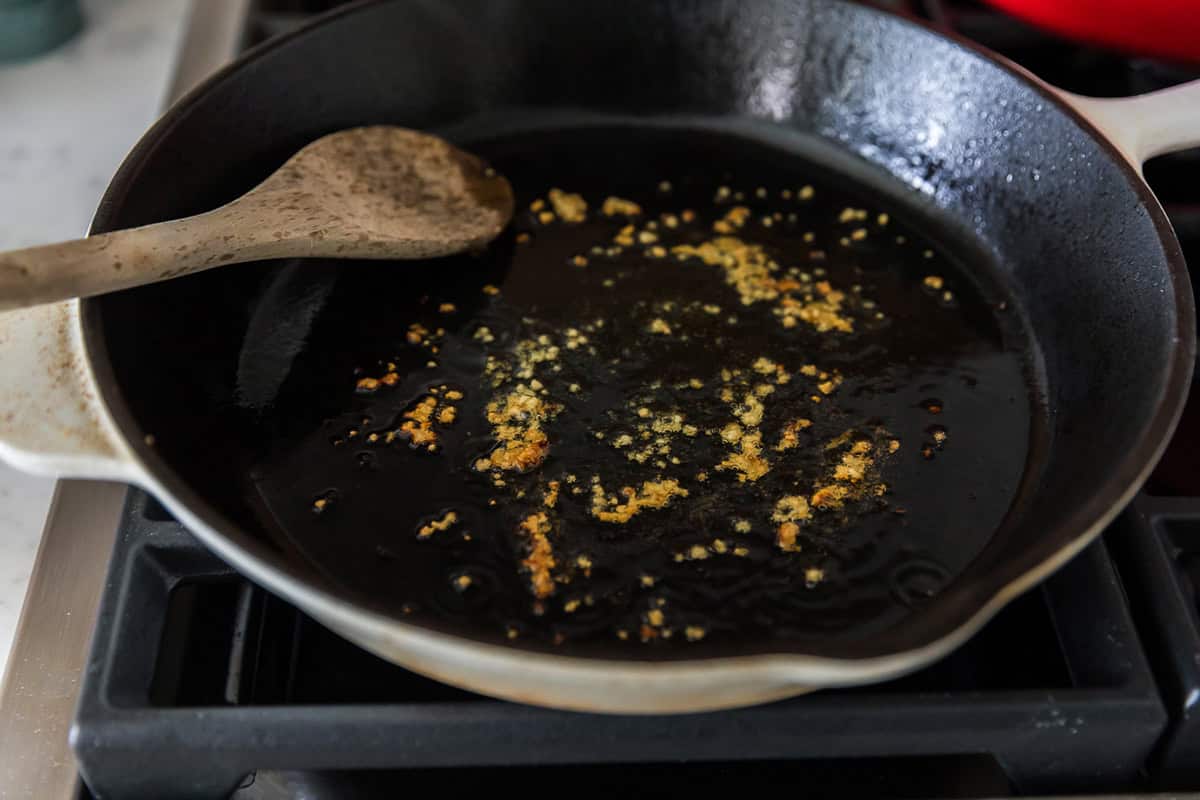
67,120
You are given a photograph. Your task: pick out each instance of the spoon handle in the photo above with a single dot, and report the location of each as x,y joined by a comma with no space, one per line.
108,262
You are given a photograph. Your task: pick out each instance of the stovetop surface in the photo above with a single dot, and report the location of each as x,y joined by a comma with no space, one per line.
200,684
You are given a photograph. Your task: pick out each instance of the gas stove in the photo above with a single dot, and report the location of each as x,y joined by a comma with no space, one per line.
199,684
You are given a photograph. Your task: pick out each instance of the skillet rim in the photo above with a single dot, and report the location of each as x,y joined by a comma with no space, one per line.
960,620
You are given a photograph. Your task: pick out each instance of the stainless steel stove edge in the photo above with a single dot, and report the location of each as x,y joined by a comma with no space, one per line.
39,694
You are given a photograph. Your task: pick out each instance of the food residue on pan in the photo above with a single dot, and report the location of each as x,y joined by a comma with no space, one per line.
539,558
444,523
418,425
706,431
631,501
569,207
517,419
618,206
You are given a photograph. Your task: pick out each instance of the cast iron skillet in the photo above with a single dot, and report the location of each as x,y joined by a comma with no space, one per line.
1035,208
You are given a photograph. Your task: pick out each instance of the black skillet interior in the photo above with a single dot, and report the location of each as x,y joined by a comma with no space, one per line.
244,376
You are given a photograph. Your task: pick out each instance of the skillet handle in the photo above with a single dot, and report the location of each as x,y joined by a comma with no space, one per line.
1147,125
53,421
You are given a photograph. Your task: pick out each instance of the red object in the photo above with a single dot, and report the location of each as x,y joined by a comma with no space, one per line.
1162,28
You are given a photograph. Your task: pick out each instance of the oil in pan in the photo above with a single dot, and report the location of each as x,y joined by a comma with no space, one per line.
704,396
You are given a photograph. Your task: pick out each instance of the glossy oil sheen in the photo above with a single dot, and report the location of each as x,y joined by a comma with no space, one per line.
879,557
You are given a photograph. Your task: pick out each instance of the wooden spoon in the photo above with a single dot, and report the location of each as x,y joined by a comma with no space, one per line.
378,192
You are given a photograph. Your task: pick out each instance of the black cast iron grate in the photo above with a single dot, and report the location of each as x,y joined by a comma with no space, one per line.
198,680
1157,542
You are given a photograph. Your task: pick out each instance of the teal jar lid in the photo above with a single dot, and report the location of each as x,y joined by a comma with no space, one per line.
31,27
